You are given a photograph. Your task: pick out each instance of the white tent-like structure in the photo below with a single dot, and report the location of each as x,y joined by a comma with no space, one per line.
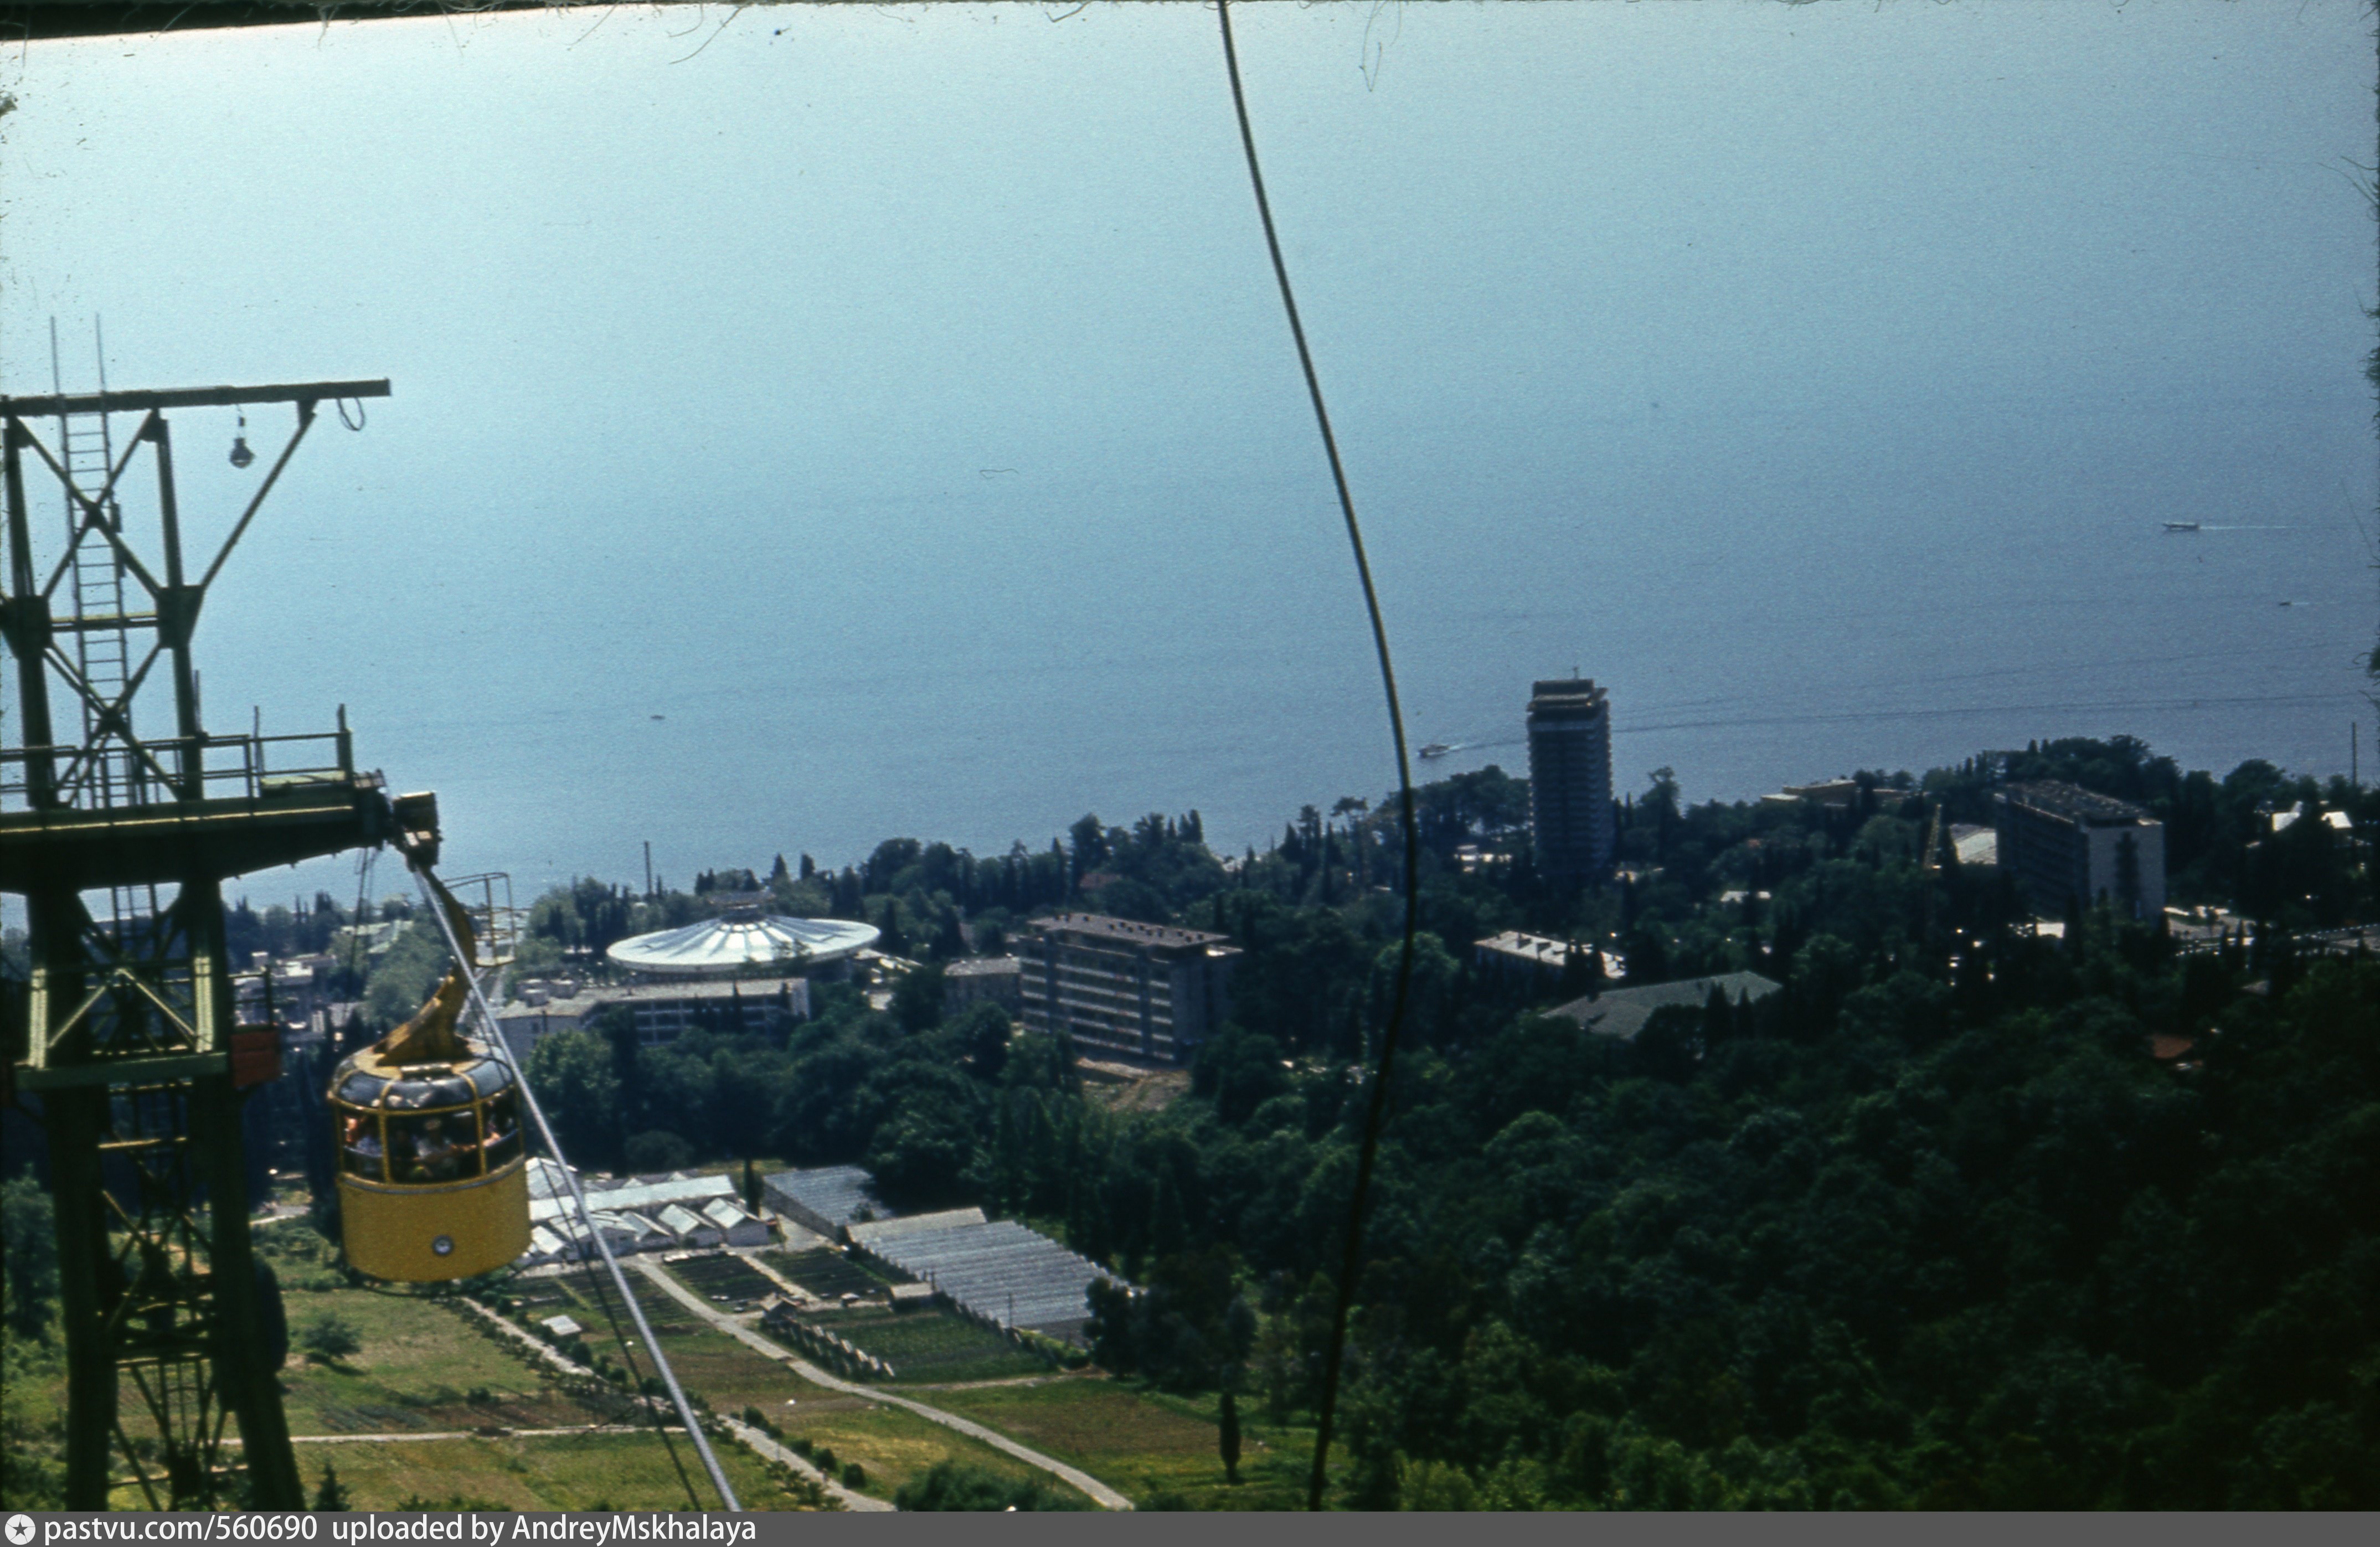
741,942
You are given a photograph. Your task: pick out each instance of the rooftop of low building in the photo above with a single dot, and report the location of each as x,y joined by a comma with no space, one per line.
1101,926
1542,948
1621,1012
838,1195
982,966
590,997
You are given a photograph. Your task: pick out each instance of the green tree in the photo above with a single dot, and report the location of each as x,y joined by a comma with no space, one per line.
329,1339
982,1035
918,999
572,1073
28,1236
332,1494
402,979
952,1486
658,1150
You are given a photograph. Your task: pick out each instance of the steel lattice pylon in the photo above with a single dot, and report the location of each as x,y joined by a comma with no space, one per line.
118,842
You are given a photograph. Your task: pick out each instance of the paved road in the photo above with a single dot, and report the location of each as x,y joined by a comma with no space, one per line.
468,1434
1106,1497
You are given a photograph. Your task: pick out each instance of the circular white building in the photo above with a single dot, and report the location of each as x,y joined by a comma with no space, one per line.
746,942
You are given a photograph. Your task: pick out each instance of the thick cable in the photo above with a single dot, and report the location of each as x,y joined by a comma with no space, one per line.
603,1296
1376,1109
577,1196
356,930
626,1346
620,1340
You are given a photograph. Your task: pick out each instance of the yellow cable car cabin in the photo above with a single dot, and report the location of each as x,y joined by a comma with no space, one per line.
434,1182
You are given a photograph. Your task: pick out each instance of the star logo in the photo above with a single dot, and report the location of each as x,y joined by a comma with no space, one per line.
20,1530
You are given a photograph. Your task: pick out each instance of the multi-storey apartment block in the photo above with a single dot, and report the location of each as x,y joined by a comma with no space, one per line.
2070,846
1115,985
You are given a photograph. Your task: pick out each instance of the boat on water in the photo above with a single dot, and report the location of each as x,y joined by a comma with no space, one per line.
1436,749
2181,525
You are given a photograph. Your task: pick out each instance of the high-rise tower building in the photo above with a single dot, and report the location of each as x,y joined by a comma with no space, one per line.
1569,779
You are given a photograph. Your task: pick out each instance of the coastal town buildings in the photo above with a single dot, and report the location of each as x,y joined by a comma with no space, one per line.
664,1011
1539,963
997,979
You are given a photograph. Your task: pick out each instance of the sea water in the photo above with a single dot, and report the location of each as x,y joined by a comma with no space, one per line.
884,423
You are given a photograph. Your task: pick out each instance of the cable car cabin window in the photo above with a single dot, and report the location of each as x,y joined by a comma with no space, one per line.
361,1090
449,1090
408,1095
431,1146
500,1123
488,1078
360,1147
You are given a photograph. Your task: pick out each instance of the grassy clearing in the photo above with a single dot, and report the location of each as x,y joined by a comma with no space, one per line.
1130,1090
932,1344
585,1297
418,1368
1160,1449
892,1445
577,1472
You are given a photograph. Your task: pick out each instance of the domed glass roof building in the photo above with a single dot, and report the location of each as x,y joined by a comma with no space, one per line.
746,942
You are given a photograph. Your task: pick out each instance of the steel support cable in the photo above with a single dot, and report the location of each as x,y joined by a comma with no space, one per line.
621,1340
611,1319
577,1196
1376,1108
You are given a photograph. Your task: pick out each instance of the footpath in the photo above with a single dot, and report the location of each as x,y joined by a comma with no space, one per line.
857,1502
1105,1497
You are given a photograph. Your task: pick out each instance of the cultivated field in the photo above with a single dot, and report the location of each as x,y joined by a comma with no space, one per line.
424,1369
827,1273
424,1366
727,1280
932,1342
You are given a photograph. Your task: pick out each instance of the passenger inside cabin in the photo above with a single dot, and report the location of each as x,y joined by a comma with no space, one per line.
362,1146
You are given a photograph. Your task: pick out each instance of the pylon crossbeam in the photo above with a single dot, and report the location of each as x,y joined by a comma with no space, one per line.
124,977
239,528
114,716
123,553
94,507
201,1442
139,1475
114,719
